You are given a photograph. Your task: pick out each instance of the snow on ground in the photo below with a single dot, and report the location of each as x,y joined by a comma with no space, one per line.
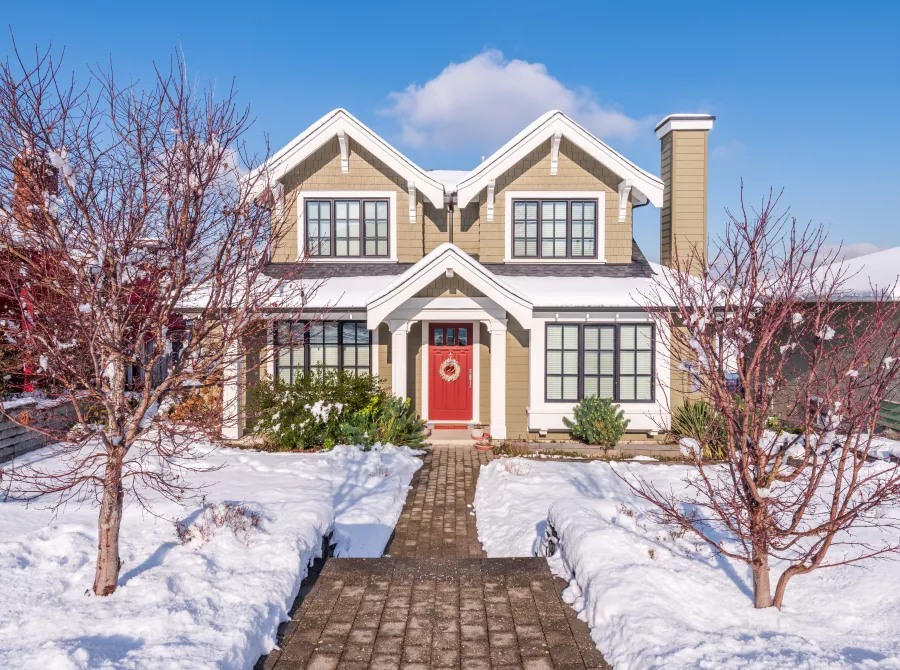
213,606
654,601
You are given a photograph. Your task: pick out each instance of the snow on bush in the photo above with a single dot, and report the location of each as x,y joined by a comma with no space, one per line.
242,522
215,602
654,598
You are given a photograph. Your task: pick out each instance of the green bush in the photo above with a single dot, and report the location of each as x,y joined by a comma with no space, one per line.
309,412
385,420
698,420
598,421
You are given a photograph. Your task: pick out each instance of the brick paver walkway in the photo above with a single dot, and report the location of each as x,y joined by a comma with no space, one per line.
433,601
437,520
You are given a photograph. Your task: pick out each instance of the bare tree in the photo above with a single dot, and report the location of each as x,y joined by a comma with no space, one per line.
768,333
134,250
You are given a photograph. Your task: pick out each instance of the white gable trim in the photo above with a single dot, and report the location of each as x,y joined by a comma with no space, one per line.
646,185
341,123
447,257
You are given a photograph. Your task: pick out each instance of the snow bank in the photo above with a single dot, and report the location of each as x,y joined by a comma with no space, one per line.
654,600
210,606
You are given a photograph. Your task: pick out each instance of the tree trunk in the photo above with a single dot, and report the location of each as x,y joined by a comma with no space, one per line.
762,591
107,575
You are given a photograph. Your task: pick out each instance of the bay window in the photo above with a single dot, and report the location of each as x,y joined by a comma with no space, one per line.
608,361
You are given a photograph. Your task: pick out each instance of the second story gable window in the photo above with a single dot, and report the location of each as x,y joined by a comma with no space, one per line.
554,229
347,228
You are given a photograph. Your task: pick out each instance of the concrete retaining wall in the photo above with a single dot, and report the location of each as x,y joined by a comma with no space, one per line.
16,440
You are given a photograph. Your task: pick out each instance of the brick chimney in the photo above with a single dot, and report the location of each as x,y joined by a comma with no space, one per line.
33,176
685,168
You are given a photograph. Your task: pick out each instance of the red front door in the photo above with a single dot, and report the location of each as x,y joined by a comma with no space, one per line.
450,372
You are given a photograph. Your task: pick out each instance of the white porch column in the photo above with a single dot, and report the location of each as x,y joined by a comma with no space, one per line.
399,332
232,423
498,378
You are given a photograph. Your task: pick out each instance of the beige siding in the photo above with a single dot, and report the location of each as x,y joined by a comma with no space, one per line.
665,214
484,241
484,369
680,381
414,364
322,172
436,231
384,355
577,171
683,218
516,379
449,287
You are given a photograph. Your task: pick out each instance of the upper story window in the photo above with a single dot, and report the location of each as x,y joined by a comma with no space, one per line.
609,361
554,228
347,228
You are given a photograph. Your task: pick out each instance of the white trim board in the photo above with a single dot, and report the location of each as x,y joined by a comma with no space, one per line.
390,196
599,242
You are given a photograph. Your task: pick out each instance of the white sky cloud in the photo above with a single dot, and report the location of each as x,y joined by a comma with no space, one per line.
488,99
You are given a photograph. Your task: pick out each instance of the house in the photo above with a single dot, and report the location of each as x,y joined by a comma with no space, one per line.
498,296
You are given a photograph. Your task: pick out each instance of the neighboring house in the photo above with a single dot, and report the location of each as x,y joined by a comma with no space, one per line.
500,296
862,279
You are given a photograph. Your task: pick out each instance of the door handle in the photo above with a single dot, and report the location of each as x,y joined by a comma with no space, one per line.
470,377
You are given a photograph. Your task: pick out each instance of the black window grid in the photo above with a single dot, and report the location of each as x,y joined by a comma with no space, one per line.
332,237
617,351
536,219
302,347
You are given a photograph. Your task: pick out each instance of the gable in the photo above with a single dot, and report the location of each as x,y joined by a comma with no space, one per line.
554,127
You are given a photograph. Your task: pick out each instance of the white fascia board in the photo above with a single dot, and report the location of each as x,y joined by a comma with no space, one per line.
435,265
546,127
342,121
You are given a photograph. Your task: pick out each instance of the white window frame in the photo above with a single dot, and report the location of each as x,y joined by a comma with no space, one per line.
647,416
390,196
600,240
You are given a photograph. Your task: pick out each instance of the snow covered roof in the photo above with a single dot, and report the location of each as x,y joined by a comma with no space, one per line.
449,178
589,292
864,276
645,186
519,294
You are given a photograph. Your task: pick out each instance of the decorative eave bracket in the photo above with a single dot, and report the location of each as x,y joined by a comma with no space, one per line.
411,188
554,153
490,200
624,191
278,198
345,151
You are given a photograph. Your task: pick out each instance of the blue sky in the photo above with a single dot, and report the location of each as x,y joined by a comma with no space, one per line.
806,93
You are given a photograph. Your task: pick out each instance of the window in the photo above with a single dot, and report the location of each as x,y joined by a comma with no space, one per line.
609,361
347,228
376,228
554,229
301,346
635,362
599,361
318,227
